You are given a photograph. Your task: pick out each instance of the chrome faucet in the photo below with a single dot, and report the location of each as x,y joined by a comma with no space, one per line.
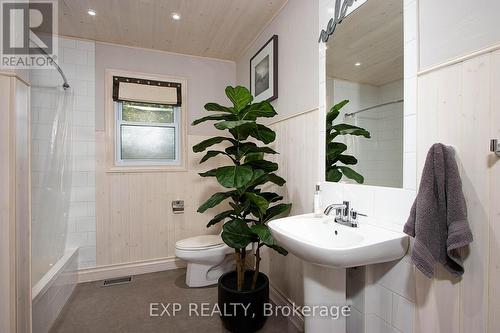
344,214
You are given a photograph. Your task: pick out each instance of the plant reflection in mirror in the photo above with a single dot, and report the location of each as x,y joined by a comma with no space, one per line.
335,159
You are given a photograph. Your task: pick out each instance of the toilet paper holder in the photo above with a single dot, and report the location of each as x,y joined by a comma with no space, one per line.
495,147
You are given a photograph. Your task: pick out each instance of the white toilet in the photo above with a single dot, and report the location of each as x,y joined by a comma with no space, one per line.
207,258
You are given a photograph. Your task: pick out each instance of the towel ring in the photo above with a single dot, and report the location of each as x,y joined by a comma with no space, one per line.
495,147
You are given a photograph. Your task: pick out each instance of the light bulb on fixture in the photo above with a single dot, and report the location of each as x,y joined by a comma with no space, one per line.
91,12
176,16
357,64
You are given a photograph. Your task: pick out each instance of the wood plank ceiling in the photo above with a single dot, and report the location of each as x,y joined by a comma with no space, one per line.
372,36
210,28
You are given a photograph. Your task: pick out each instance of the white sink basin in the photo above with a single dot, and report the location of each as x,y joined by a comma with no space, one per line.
327,248
321,241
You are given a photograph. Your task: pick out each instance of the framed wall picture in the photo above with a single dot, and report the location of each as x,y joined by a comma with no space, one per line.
264,72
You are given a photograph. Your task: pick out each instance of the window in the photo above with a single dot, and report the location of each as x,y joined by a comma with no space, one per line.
148,130
147,133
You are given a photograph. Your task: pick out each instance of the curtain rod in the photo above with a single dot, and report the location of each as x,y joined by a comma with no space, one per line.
65,84
373,107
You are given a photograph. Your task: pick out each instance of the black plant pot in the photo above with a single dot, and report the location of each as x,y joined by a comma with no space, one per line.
234,317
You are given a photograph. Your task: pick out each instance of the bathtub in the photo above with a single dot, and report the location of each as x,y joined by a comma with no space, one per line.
53,291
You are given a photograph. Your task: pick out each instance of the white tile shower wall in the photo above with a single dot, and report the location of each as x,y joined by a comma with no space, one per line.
76,58
381,161
79,59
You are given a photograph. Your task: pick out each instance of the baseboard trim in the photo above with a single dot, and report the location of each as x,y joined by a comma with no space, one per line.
279,299
134,268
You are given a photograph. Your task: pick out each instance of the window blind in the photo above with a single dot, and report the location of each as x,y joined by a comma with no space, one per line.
146,91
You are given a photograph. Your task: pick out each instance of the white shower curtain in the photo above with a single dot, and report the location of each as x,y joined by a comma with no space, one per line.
52,164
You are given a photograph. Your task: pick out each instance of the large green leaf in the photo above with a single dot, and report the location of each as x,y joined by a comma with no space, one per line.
234,176
333,174
264,233
260,202
253,157
333,149
348,159
263,164
242,132
276,179
278,249
214,117
223,125
267,238
335,111
210,142
265,150
270,177
276,210
214,200
209,173
346,129
247,148
350,173
240,96
210,154
219,217
271,196
241,207
237,235
263,134
254,111
257,174
218,108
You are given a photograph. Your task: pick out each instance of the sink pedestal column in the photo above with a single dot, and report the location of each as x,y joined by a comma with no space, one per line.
324,287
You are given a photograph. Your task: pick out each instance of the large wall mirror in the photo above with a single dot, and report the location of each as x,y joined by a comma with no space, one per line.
364,66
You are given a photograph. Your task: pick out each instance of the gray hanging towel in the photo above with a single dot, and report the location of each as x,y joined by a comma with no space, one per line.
438,217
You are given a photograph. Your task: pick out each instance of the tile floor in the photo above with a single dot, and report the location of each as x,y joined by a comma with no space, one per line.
125,308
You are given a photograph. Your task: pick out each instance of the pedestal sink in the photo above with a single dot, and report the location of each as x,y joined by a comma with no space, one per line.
327,249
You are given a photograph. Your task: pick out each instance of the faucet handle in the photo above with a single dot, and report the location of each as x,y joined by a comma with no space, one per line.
353,214
353,218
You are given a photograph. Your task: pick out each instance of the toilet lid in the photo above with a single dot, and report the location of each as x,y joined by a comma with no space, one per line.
200,242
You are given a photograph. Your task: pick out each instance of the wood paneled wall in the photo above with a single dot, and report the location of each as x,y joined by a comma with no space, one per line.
297,144
134,218
459,105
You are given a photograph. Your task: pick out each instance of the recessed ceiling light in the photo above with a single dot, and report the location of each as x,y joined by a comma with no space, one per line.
91,12
175,16
357,64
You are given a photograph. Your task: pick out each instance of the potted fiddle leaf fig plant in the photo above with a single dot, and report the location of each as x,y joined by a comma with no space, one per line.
335,159
250,206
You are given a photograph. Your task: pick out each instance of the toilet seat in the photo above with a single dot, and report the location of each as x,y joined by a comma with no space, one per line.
198,243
